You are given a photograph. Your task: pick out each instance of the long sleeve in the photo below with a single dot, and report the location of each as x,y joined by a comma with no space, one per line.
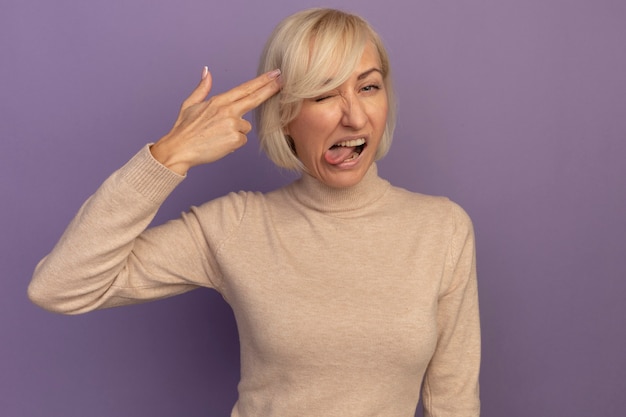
106,258
346,300
451,381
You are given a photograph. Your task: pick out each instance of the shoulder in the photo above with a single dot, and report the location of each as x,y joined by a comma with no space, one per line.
427,204
236,207
436,211
233,204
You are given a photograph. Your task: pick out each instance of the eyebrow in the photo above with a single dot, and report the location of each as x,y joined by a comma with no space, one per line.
362,75
368,72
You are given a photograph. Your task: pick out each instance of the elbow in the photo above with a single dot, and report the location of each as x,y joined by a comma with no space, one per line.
40,296
42,293
38,291
60,290
34,295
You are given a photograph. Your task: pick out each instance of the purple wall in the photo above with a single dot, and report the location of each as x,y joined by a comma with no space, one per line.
515,109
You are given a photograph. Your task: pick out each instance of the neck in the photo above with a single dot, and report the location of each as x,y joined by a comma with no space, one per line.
314,194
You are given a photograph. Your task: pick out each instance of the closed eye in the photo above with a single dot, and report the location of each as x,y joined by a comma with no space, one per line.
321,98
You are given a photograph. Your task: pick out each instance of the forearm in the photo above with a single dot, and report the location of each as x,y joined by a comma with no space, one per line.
94,250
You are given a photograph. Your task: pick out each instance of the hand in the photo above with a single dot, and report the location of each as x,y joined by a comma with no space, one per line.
208,130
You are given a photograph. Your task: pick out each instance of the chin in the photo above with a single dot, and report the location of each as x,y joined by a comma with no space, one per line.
345,178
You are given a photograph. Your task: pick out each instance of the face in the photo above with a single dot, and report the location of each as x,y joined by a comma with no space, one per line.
336,134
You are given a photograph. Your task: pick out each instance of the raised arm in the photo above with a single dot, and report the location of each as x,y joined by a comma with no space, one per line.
106,257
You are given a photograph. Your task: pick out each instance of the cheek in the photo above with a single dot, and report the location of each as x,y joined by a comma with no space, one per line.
299,126
378,117
312,128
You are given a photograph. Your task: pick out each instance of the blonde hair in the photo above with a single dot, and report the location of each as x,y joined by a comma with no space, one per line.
307,47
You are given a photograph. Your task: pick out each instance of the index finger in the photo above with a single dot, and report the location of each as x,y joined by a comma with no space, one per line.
250,94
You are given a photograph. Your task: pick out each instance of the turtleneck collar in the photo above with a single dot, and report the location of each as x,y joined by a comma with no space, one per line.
316,195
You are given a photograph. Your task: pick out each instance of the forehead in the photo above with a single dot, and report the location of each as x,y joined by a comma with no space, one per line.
369,59
369,64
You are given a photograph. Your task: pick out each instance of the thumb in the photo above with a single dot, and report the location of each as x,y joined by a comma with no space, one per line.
200,93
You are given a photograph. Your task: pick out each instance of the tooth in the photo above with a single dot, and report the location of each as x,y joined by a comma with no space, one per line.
352,143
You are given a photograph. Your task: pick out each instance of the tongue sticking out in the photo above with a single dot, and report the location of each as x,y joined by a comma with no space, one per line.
338,154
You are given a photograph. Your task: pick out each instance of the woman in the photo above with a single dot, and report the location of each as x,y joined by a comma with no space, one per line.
348,293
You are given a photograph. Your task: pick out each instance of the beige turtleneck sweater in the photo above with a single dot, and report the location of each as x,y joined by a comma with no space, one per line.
349,302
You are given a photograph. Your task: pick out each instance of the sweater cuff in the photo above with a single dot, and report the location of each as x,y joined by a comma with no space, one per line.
149,177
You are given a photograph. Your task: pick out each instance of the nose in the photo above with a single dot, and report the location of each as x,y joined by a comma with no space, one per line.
354,115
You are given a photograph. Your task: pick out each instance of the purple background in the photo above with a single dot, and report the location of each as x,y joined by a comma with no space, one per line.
515,109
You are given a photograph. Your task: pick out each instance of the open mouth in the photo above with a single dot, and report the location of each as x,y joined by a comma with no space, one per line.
345,151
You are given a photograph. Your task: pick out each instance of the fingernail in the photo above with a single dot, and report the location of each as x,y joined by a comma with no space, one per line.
205,72
274,74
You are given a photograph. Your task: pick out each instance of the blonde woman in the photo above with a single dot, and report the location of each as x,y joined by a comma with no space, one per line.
351,296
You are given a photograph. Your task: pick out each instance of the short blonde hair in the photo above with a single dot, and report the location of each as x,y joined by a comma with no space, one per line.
307,47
